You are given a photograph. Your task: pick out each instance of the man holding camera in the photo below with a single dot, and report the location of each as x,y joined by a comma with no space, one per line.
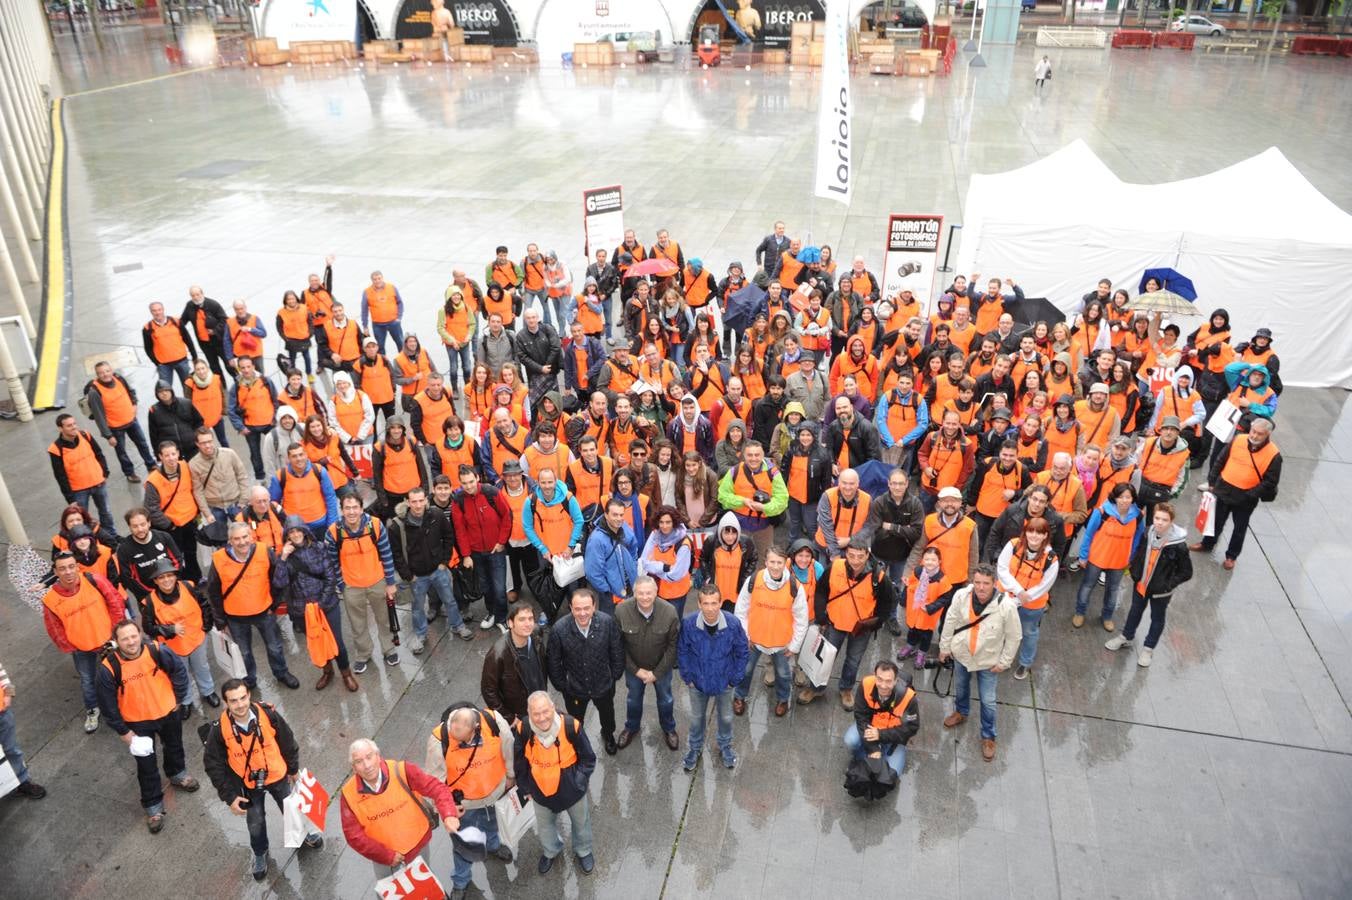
251,752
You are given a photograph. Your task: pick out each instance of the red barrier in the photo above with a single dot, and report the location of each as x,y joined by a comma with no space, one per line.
1130,38
1316,45
1175,40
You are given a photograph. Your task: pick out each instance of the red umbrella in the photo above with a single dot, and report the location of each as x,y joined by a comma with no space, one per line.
657,265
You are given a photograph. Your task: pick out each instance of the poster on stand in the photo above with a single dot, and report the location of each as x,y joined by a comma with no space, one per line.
602,219
304,20
912,256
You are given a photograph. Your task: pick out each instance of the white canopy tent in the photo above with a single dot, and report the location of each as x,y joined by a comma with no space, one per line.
1255,238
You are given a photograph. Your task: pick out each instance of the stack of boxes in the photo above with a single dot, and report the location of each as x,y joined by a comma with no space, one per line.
602,54
264,52
384,52
320,52
878,54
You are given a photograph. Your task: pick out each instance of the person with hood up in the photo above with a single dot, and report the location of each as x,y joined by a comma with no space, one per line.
856,361
289,430
772,608
667,556
93,556
785,432
174,419
310,580
397,465
552,518
1209,352
1111,535
691,430
1159,565
1251,394
1257,351
1178,400
728,453
456,324
727,560
611,554
350,413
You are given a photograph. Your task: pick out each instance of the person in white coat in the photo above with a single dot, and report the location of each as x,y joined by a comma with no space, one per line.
772,607
1041,72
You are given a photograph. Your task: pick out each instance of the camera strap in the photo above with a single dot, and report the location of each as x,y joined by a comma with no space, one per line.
257,737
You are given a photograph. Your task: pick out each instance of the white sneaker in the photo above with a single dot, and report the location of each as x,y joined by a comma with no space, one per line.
415,645
1116,642
1144,657
91,724
487,623
1203,486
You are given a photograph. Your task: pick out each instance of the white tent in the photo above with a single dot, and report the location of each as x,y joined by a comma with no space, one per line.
1255,238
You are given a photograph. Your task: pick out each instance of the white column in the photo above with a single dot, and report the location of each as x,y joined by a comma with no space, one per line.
23,134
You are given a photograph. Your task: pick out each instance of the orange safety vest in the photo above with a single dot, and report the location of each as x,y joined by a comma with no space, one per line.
209,401
592,322
349,413
268,532
375,378
1059,441
295,323
319,304
176,500
727,569
330,456
504,276
696,288
990,500
100,565
728,415
434,415
452,458
851,600
988,316
580,364
621,378
517,504
746,483
82,466
901,415
1245,469
1029,573
1108,478
769,618
84,615
553,524
710,389
399,474
478,769
798,464
883,719
947,462
1063,494
1160,467
457,322
1217,362
954,544
1098,426
393,818
146,693
538,460
502,307
1111,548
255,403
247,753
916,617
547,763
244,343
382,304
167,341
1171,404
344,341
589,486
817,342
359,554
183,611
245,586
1243,391
501,449
853,523
789,267
118,407
535,274
417,369
674,590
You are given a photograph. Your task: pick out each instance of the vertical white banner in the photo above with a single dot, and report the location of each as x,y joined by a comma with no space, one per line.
835,181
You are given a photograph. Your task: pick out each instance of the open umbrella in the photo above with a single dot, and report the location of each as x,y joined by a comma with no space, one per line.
1031,310
742,307
808,255
657,265
1169,280
1166,302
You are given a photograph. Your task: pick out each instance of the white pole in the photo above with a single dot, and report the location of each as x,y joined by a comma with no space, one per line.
12,282
31,167
11,159
37,98
8,514
20,110
17,225
16,26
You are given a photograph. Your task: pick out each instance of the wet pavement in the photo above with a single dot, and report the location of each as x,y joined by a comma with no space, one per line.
1223,770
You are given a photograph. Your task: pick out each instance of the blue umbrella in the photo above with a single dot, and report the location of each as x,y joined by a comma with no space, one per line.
808,255
742,307
1169,280
873,477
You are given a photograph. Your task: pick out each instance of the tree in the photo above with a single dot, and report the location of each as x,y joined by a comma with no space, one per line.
1272,11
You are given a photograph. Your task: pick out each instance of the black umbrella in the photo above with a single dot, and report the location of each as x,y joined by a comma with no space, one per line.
1031,310
742,307
870,778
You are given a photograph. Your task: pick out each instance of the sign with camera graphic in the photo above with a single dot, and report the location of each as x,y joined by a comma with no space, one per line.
911,256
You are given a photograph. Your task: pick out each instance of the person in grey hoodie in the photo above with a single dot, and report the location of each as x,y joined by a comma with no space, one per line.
1161,563
495,347
290,430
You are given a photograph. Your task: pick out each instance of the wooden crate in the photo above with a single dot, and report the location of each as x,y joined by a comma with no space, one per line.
626,57
255,46
776,57
473,53
801,29
882,63
373,49
815,53
273,57
455,37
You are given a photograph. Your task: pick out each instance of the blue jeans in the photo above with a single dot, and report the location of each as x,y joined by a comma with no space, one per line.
607,302
199,668
165,372
1112,580
256,816
699,713
894,754
802,520
461,360
633,706
10,744
783,674
254,438
1031,620
855,645
439,581
87,665
379,331
266,623
219,428
985,686
491,569
131,432
99,494
486,821
547,828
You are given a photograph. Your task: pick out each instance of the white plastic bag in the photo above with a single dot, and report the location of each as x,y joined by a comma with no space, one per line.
414,881
818,656
516,816
227,654
566,571
1224,421
295,826
9,782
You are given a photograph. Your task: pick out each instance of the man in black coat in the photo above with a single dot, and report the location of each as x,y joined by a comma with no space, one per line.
768,410
852,430
540,351
1009,524
421,542
586,658
769,252
894,522
201,316
1240,488
174,419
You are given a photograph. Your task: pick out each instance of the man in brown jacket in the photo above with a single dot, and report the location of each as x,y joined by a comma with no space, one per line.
649,630
515,668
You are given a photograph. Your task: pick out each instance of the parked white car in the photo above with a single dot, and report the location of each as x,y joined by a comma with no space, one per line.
1197,25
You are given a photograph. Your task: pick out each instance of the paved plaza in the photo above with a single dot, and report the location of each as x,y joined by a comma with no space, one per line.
1225,770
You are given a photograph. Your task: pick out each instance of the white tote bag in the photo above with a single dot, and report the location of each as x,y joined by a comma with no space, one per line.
227,654
9,782
295,826
516,816
566,571
818,656
1224,421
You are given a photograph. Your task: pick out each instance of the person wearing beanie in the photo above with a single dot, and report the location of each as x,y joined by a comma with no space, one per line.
397,465
173,418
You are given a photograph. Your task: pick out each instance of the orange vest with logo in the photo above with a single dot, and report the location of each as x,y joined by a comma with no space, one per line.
247,753
244,343
318,303
1097,426
547,763
183,611
517,504
330,456
394,818
118,408
349,413
789,267
846,521
769,618
359,555
176,500
538,460
901,416
209,401
1217,362
1245,468
434,414
1063,492
947,461
167,341
696,288
457,322
475,770
553,525
82,466
268,531
916,616
727,570
399,474
851,599
1059,441
453,458
147,693
382,304
83,615
255,403
251,593
504,448
535,273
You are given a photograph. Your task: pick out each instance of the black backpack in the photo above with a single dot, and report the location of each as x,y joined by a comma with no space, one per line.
110,655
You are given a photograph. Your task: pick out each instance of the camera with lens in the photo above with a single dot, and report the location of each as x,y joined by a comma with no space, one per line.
761,497
259,777
458,796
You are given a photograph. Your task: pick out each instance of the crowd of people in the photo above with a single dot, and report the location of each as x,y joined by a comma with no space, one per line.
847,465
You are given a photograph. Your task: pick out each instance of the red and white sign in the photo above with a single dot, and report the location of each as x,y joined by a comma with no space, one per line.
602,219
314,799
911,257
414,881
361,459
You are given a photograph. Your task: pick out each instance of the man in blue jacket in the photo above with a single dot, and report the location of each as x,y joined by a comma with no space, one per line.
712,654
611,554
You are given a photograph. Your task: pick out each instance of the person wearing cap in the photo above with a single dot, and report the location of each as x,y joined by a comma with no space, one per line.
310,580
78,612
1164,465
174,614
173,418
375,376
1099,422
1247,472
999,429
953,534
1257,351
807,385
253,410
397,465
1117,466
382,310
